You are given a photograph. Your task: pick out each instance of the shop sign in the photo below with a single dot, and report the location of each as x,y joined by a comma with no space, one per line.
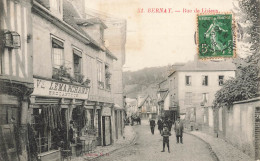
106,111
56,89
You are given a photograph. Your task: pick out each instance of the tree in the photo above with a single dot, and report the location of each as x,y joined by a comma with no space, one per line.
246,83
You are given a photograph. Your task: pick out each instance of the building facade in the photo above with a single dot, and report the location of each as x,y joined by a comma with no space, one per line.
115,39
193,87
56,81
16,81
147,107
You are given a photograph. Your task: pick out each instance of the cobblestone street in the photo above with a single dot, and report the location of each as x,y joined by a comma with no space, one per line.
148,147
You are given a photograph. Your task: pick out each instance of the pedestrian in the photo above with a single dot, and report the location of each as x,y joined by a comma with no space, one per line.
178,128
160,125
152,125
169,123
165,134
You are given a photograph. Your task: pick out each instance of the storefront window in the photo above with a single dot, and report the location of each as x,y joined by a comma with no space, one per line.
49,127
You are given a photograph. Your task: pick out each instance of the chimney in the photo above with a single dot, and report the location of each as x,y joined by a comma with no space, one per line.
80,6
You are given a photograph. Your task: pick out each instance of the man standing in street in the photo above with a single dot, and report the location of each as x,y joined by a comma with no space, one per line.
160,125
169,123
152,125
165,134
178,127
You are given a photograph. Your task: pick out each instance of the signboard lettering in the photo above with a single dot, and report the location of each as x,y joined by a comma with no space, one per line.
57,89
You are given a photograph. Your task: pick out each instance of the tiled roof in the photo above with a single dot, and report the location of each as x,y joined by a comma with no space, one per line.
69,16
208,65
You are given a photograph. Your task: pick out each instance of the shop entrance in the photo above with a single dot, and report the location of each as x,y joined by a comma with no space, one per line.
8,122
106,123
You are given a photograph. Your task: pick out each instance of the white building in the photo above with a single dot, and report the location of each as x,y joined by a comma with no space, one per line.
193,86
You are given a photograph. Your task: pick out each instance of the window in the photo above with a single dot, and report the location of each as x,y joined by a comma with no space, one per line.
99,74
188,80
108,77
77,65
221,80
205,80
57,53
8,115
188,98
205,97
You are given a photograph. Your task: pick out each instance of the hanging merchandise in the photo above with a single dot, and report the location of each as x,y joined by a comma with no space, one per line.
79,117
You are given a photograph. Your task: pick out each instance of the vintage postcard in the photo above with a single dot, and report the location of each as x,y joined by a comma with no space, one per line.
129,80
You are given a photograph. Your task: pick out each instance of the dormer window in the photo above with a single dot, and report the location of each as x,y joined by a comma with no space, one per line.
56,8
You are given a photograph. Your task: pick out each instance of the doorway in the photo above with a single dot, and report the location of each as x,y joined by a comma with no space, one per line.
106,123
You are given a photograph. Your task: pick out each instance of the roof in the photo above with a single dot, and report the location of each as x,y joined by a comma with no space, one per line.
142,101
91,21
109,53
163,95
208,66
70,15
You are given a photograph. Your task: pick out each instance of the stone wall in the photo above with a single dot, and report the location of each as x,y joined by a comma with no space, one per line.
238,124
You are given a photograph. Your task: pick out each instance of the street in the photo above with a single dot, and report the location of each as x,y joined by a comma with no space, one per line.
148,147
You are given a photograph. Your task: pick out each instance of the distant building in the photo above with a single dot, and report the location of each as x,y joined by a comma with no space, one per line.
131,106
147,107
192,88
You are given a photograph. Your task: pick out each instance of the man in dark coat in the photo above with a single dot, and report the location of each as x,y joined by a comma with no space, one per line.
169,123
152,125
178,127
160,125
165,134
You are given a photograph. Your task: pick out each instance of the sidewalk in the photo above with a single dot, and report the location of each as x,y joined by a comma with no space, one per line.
106,150
221,149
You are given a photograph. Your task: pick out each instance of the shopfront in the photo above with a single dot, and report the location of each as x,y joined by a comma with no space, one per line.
13,128
58,117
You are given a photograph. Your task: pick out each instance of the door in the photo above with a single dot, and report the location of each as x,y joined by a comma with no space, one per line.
8,144
106,130
99,127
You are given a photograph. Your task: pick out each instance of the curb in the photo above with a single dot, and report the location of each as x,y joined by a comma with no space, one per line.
212,153
112,151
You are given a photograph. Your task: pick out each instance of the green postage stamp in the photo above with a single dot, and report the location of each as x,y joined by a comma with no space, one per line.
215,36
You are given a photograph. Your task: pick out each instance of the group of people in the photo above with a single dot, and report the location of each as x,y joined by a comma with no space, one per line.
164,126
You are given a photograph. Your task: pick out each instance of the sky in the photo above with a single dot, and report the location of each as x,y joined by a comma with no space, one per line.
158,39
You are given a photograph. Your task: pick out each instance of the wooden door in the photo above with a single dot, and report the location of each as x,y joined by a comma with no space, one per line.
8,144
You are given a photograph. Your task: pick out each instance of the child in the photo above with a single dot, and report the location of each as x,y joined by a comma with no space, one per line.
166,133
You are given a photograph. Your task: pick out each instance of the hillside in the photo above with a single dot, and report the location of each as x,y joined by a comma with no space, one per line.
143,81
